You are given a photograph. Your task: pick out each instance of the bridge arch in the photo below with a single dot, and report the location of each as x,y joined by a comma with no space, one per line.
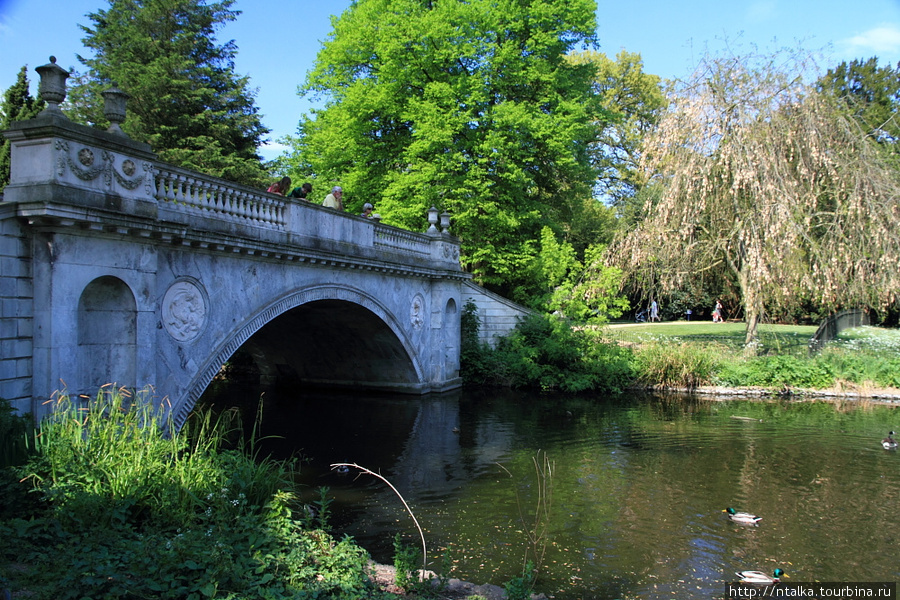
320,299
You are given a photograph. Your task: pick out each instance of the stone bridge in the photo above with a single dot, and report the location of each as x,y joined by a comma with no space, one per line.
118,268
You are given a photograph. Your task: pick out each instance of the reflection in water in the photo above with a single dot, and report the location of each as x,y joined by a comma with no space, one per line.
639,485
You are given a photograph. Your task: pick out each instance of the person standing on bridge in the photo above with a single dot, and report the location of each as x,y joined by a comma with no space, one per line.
280,187
302,192
333,200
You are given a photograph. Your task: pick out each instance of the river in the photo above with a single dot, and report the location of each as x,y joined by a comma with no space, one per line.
633,487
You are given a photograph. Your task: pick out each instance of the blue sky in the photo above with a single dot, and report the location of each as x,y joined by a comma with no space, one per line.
278,39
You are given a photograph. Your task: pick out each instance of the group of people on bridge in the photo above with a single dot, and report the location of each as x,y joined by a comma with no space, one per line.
333,200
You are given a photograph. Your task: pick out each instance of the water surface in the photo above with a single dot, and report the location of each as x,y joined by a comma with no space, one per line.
637,488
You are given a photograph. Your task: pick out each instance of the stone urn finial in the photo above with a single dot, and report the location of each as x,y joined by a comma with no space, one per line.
114,108
432,221
52,88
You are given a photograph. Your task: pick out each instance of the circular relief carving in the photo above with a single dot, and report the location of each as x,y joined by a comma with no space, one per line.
86,157
129,168
184,311
417,312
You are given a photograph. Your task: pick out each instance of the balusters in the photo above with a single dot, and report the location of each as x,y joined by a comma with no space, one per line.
192,192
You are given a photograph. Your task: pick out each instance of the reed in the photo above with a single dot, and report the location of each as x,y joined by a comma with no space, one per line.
687,365
536,524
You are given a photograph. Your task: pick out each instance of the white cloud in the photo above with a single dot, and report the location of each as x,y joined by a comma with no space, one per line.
883,40
272,150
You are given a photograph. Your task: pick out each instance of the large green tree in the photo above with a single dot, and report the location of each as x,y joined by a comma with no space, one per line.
768,181
468,106
631,102
18,105
186,101
871,93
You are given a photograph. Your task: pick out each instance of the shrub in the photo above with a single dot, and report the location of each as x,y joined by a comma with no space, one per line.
545,352
778,372
14,433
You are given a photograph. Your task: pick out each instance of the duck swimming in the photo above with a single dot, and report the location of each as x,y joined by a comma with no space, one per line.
889,443
760,578
742,517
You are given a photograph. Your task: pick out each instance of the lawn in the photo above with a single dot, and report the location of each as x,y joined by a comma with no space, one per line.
779,339
774,339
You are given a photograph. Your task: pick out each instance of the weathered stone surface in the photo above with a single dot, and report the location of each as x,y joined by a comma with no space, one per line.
117,268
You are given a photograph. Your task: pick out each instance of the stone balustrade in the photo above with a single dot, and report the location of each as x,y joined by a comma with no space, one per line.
215,198
399,239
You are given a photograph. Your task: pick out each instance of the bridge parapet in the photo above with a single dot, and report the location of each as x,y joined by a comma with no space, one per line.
71,174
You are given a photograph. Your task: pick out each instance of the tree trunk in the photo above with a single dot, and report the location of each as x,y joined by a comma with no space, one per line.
753,310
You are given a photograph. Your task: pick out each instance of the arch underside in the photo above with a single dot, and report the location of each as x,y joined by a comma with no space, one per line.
334,343
325,336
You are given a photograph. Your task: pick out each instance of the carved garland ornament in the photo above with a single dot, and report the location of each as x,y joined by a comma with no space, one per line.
106,167
184,310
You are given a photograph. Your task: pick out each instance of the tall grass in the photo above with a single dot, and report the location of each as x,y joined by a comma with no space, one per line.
130,508
117,458
677,365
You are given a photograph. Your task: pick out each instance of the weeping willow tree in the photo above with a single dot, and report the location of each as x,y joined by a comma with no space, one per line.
768,182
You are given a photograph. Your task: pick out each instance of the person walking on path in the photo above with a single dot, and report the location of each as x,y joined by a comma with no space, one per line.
654,311
717,313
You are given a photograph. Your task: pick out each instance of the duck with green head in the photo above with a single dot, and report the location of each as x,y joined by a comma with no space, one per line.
760,578
742,517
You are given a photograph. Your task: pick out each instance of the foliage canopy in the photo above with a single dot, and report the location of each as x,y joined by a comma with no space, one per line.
871,94
631,102
186,101
468,106
18,105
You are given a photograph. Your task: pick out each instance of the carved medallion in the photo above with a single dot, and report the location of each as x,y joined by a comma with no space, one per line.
129,168
86,157
184,311
417,312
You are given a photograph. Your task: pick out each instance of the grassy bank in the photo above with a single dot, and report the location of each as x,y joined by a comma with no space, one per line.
713,354
112,504
549,354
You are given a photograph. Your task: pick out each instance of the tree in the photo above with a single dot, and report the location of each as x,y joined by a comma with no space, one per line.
18,105
468,106
631,102
186,101
767,181
872,95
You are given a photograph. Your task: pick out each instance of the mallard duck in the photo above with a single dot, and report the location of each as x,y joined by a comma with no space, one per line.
742,517
889,443
760,578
